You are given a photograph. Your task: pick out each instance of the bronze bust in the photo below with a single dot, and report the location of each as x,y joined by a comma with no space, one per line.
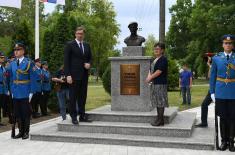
134,39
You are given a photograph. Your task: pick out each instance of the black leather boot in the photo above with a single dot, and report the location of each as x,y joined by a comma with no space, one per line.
160,118
231,136
20,126
223,129
26,129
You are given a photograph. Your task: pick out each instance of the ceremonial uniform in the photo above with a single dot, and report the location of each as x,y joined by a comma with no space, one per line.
21,87
46,88
222,86
8,98
37,89
3,87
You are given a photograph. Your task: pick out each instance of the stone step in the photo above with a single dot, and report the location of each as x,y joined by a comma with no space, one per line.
106,115
202,139
181,126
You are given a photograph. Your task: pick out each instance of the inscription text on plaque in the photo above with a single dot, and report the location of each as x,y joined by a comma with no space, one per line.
130,79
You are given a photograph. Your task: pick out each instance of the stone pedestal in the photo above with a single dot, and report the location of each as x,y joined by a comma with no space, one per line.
136,100
133,51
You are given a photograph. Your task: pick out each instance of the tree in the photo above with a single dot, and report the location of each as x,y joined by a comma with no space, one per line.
23,34
195,30
149,44
98,18
11,18
178,35
60,37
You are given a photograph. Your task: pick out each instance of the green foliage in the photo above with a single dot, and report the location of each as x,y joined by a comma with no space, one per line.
105,62
173,75
150,41
53,103
197,29
23,34
12,19
178,35
101,31
106,78
60,37
106,70
5,44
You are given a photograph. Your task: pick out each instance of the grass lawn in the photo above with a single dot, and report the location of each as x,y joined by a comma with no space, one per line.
200,81
96,97
197,95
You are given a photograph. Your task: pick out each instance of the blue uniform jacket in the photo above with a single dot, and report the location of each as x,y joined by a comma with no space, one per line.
46,86
37,79
21,78
220,69
3,81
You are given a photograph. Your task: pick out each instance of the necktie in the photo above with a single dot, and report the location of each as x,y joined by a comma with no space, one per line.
80,45
18,62
227,57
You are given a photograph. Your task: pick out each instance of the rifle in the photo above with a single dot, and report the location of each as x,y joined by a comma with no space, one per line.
216,131
13,118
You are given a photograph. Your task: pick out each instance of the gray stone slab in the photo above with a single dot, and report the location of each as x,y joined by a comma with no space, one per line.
181,126
130,102
202,139
133,51
107,115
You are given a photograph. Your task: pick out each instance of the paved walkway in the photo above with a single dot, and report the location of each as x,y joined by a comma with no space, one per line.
9,146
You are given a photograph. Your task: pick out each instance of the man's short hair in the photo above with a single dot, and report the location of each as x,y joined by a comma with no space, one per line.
80,28
161,45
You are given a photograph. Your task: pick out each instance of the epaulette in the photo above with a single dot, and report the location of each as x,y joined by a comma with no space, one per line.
219,54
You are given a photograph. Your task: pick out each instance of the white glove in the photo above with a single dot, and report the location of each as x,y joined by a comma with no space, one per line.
213,97
8,93
30,96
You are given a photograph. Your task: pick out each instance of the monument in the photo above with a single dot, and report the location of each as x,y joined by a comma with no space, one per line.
129,92
127,120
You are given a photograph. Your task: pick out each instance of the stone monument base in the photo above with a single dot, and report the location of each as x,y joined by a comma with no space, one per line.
139,102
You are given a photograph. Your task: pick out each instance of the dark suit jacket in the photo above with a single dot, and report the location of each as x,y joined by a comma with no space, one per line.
74,60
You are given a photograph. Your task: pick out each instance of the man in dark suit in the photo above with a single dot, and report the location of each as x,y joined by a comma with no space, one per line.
77,62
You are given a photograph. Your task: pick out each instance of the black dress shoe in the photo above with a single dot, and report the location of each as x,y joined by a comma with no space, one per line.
223,146
75,122
231,146
25,136
158,123
20,135
85,119
201,125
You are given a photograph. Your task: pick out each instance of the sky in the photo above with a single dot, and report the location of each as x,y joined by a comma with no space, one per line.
145,12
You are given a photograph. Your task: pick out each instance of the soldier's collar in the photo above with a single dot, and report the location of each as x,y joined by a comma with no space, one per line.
228,54
20,59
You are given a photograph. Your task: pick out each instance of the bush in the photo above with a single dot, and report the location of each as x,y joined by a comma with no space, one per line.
53,102
106,78
173,75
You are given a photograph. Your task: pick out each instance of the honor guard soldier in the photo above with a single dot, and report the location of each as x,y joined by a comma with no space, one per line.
3,86
21,86
222,86
37,88
9,95
46,87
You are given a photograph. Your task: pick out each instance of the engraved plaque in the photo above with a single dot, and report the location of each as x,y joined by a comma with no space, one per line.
130,79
